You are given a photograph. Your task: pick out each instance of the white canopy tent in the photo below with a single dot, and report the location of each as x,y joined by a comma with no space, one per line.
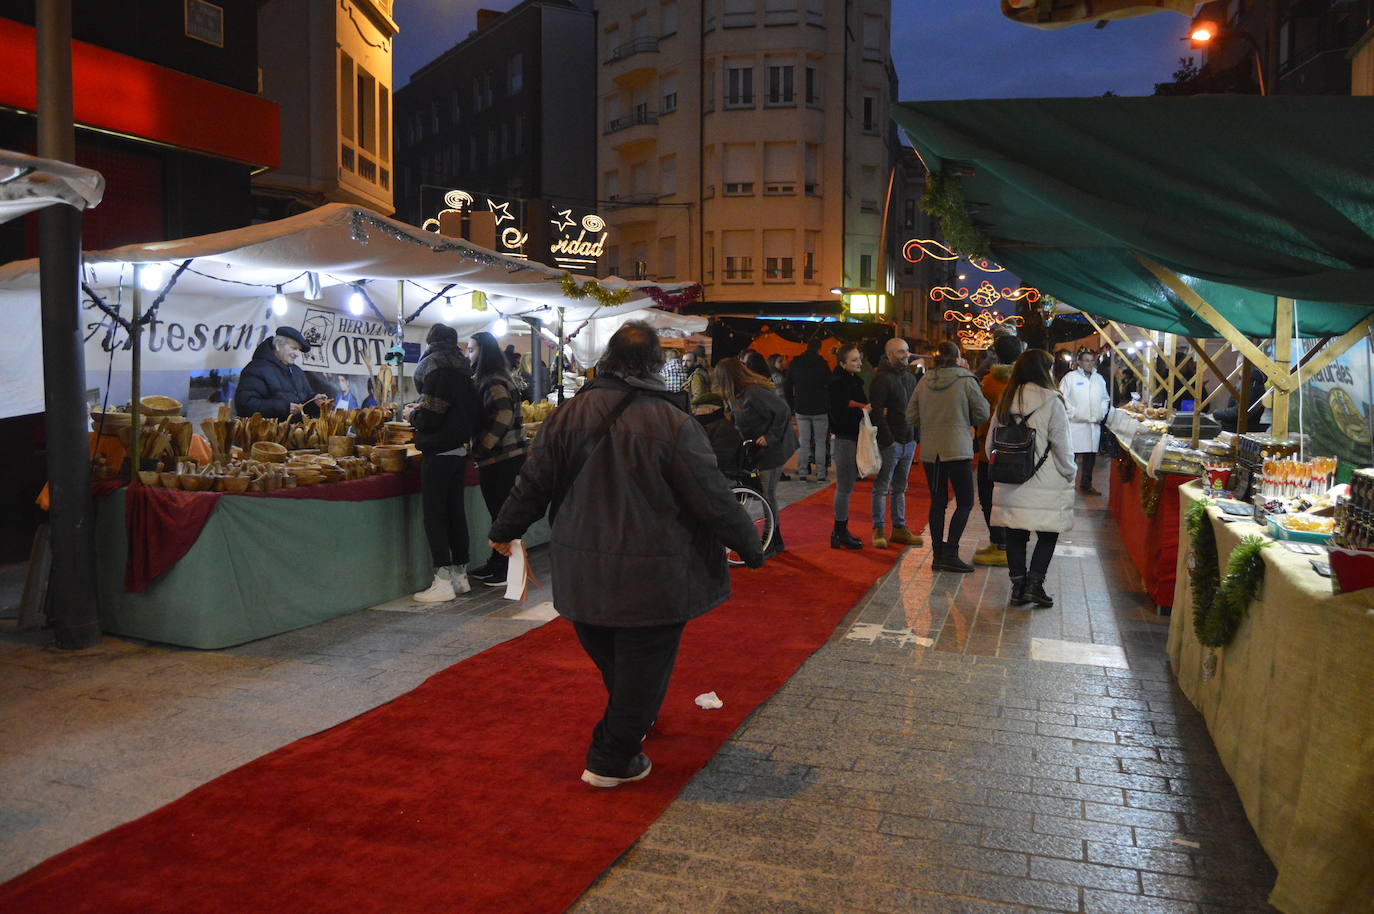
345,276
28,183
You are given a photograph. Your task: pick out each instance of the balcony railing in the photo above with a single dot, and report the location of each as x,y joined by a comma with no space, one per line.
633,119
646,45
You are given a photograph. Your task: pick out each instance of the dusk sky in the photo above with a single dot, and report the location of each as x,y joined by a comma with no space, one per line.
939,53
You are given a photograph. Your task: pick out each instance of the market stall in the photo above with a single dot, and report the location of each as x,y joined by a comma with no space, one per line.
238,527
1287,703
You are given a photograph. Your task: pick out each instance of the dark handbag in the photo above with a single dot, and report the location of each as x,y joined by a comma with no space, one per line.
593,441
1013,451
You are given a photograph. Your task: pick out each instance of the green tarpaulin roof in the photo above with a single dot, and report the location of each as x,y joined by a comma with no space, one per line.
1245,197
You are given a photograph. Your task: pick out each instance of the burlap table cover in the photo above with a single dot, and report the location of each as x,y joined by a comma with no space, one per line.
1291,712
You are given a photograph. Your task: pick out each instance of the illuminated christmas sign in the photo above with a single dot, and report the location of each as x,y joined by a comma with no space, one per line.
576,240
977,327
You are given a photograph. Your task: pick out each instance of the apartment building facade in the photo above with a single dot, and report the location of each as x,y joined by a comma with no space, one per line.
745,144
506,113
327,63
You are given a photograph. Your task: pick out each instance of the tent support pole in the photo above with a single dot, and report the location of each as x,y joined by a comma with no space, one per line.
71,588
1335,349
538,380
136,379
558,359
1199,379
1102,332
1221,375
1218,323
1243,404
1283,357
1170,362
400,341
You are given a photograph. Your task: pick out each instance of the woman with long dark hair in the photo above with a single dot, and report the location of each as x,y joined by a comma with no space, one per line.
1043,503
848,403
761,416
499,442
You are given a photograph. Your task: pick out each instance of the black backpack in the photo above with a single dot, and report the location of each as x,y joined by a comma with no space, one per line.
1013,451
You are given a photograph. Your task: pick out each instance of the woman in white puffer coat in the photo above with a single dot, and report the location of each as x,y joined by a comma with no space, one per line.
1043,503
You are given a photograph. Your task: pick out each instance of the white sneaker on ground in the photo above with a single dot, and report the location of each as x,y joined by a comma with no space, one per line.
441,591
458,576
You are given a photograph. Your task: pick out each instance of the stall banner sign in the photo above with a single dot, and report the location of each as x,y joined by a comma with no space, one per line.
188,333
1337,411
577,236
345,344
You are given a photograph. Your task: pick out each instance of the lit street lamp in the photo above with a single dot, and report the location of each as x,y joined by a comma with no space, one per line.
1210,24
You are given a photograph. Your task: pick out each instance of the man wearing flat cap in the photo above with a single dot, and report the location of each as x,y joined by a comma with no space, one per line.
273,384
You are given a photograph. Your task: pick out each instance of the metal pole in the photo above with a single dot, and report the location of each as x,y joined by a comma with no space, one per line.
558,360
71,590
136,380
401,344
538,381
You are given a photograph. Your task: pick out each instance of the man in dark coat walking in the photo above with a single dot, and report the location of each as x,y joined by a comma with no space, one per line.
273,383
807,389
641,518
891,390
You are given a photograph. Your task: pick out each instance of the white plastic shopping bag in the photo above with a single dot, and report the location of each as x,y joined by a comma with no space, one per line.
869,460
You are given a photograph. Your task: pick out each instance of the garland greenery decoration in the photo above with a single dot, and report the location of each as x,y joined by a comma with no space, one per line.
1220,602
944,199
604,297
1150,490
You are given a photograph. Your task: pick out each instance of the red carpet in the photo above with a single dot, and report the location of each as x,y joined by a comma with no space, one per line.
463,795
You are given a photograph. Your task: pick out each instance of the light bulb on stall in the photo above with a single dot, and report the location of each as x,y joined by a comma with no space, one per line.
448,310
279,303
499,328
1131,350
150,276
355,303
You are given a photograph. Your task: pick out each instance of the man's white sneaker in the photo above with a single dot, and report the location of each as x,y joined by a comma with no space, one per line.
441,591
458,575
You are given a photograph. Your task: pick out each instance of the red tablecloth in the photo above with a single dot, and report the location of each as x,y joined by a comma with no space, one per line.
163,524
1151,541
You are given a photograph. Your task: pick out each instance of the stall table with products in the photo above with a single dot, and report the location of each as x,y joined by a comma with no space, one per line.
1288,708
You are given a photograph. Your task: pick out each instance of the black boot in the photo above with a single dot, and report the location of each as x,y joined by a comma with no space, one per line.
1035,591
841,538
947,559
775,545
1018,591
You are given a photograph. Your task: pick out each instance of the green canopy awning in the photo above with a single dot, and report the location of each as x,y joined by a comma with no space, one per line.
1246,198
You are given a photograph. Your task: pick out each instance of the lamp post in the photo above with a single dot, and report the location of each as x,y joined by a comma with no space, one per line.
1210,24
863,302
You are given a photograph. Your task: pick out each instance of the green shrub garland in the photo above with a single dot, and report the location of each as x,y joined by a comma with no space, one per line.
944,199
1220,602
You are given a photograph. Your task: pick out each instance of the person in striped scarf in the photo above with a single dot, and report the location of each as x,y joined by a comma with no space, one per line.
499,444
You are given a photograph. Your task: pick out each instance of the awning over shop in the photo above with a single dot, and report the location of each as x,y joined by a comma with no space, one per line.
1246,198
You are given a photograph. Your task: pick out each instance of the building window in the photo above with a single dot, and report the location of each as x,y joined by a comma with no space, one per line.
640,252
740,169
780,86
865,271
812,245
813,172
739,256
739,13
909,215
667,87
815,12
613,260
346,95
367,110
667,175
813,87
669,18
667,258
708,256
515,74
639,181
780,12
873,38
739,87
777,255
779,168
612,185
870,114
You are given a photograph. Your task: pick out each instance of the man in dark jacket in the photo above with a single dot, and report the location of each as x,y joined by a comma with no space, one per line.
273,384
807,390
444,418
641,521
892,387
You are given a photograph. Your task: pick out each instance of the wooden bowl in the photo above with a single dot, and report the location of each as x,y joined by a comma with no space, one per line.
156,405
269,452
363,450
112,420
341,445
150,477
392,464
234,484
170,480
194,482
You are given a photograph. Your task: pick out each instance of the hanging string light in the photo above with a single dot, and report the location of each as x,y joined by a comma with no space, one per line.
279,303
355,302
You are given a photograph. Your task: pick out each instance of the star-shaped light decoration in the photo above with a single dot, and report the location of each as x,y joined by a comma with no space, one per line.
503,209
565,220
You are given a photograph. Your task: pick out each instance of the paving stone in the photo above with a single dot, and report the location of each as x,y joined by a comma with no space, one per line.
1158,861
1085,874
1047,895
1096,901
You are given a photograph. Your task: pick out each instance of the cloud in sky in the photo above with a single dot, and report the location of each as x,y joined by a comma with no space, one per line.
942,50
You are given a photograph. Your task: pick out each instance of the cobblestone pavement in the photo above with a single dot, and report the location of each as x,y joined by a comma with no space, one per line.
938,754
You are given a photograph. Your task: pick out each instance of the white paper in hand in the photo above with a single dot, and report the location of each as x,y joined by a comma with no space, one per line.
518,576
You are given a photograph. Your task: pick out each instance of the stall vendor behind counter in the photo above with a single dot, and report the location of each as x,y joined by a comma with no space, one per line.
273,384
